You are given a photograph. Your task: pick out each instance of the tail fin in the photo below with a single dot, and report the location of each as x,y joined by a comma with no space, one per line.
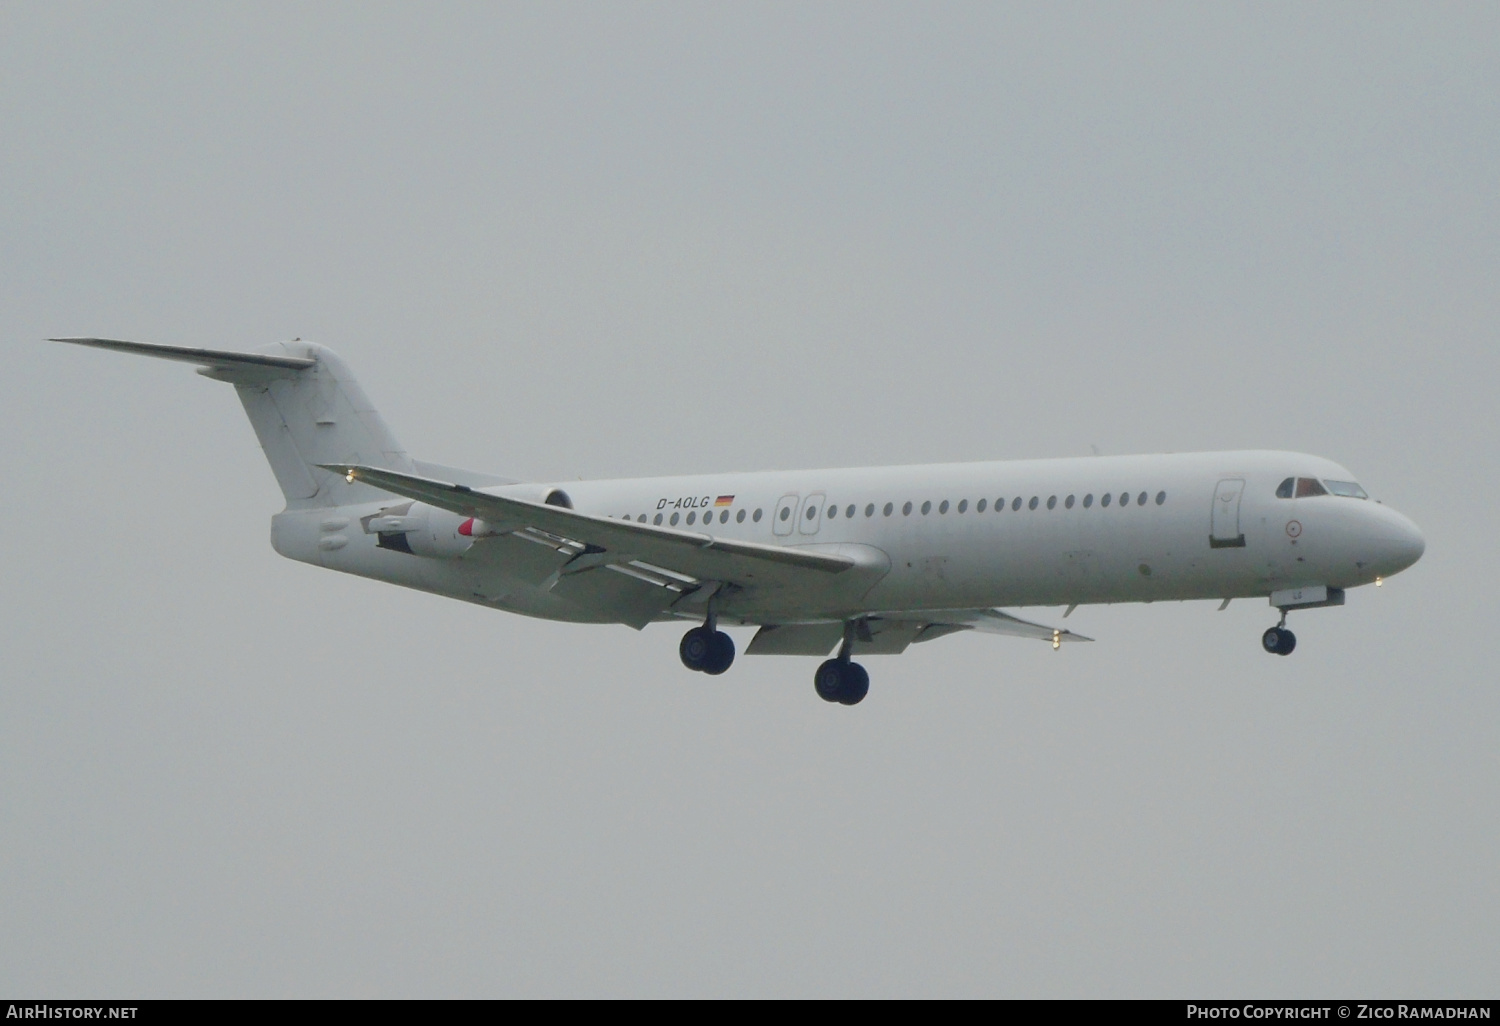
307,409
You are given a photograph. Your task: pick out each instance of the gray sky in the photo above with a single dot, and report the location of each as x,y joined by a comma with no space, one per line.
608,241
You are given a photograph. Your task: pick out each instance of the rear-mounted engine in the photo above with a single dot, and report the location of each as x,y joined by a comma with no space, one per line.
422,530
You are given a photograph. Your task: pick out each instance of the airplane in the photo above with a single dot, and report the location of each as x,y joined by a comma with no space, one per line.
831,563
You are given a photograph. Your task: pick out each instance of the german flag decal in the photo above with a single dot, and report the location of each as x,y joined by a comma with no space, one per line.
724,500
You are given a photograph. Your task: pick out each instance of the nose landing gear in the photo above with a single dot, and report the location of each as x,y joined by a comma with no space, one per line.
838,679
1278,640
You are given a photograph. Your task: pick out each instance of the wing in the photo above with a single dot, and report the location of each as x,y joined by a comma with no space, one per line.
889,633
993,621
682,563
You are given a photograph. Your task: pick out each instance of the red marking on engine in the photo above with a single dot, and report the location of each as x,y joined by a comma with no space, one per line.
467,527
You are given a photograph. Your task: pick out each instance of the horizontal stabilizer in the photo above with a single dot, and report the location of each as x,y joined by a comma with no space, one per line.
228,366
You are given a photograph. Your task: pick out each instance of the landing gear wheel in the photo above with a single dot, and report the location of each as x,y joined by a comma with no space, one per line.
1278,641
706,651
696,648
1270,641
1288,642
720,654
844,683
828,682
856,684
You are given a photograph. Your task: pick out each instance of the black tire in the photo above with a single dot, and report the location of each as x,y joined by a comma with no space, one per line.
696,648
828,682
1271,641
720,654
856,684
1288,642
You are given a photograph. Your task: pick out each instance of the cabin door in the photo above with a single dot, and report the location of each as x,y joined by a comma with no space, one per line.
1225,532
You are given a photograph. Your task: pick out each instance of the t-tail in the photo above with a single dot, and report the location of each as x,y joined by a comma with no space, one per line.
307,410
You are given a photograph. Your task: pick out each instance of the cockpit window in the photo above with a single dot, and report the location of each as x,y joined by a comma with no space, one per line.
1307,486
1284,490
1346,488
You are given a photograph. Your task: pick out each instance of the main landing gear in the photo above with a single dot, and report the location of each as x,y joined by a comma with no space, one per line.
838,679
1278,640
707,649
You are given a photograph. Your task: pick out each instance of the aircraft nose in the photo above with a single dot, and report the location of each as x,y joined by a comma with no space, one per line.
1402,543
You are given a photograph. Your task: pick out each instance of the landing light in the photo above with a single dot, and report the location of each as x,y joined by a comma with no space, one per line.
349,476
1378,582
1056,640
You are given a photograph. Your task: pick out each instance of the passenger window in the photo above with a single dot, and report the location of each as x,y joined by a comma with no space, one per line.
927,507
1161,497
756,516
673,521
641,518
690,519
889,508
944,507
724,516
1088,500
849,513
739,518
657,520
1284,490
1068,502
1140,500
979,506
812,511
870,510
1124,499
1033,502
1052,502
906,510
1106,499
786,511
833,512
1015,503
1308,486
963,505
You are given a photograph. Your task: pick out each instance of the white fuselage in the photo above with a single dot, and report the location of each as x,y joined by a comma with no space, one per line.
1013,533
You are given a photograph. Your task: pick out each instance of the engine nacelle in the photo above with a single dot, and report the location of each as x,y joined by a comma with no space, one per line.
550,495
423,530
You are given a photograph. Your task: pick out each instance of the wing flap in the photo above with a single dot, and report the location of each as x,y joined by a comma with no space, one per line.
991,621
629,599
892,632
801,639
